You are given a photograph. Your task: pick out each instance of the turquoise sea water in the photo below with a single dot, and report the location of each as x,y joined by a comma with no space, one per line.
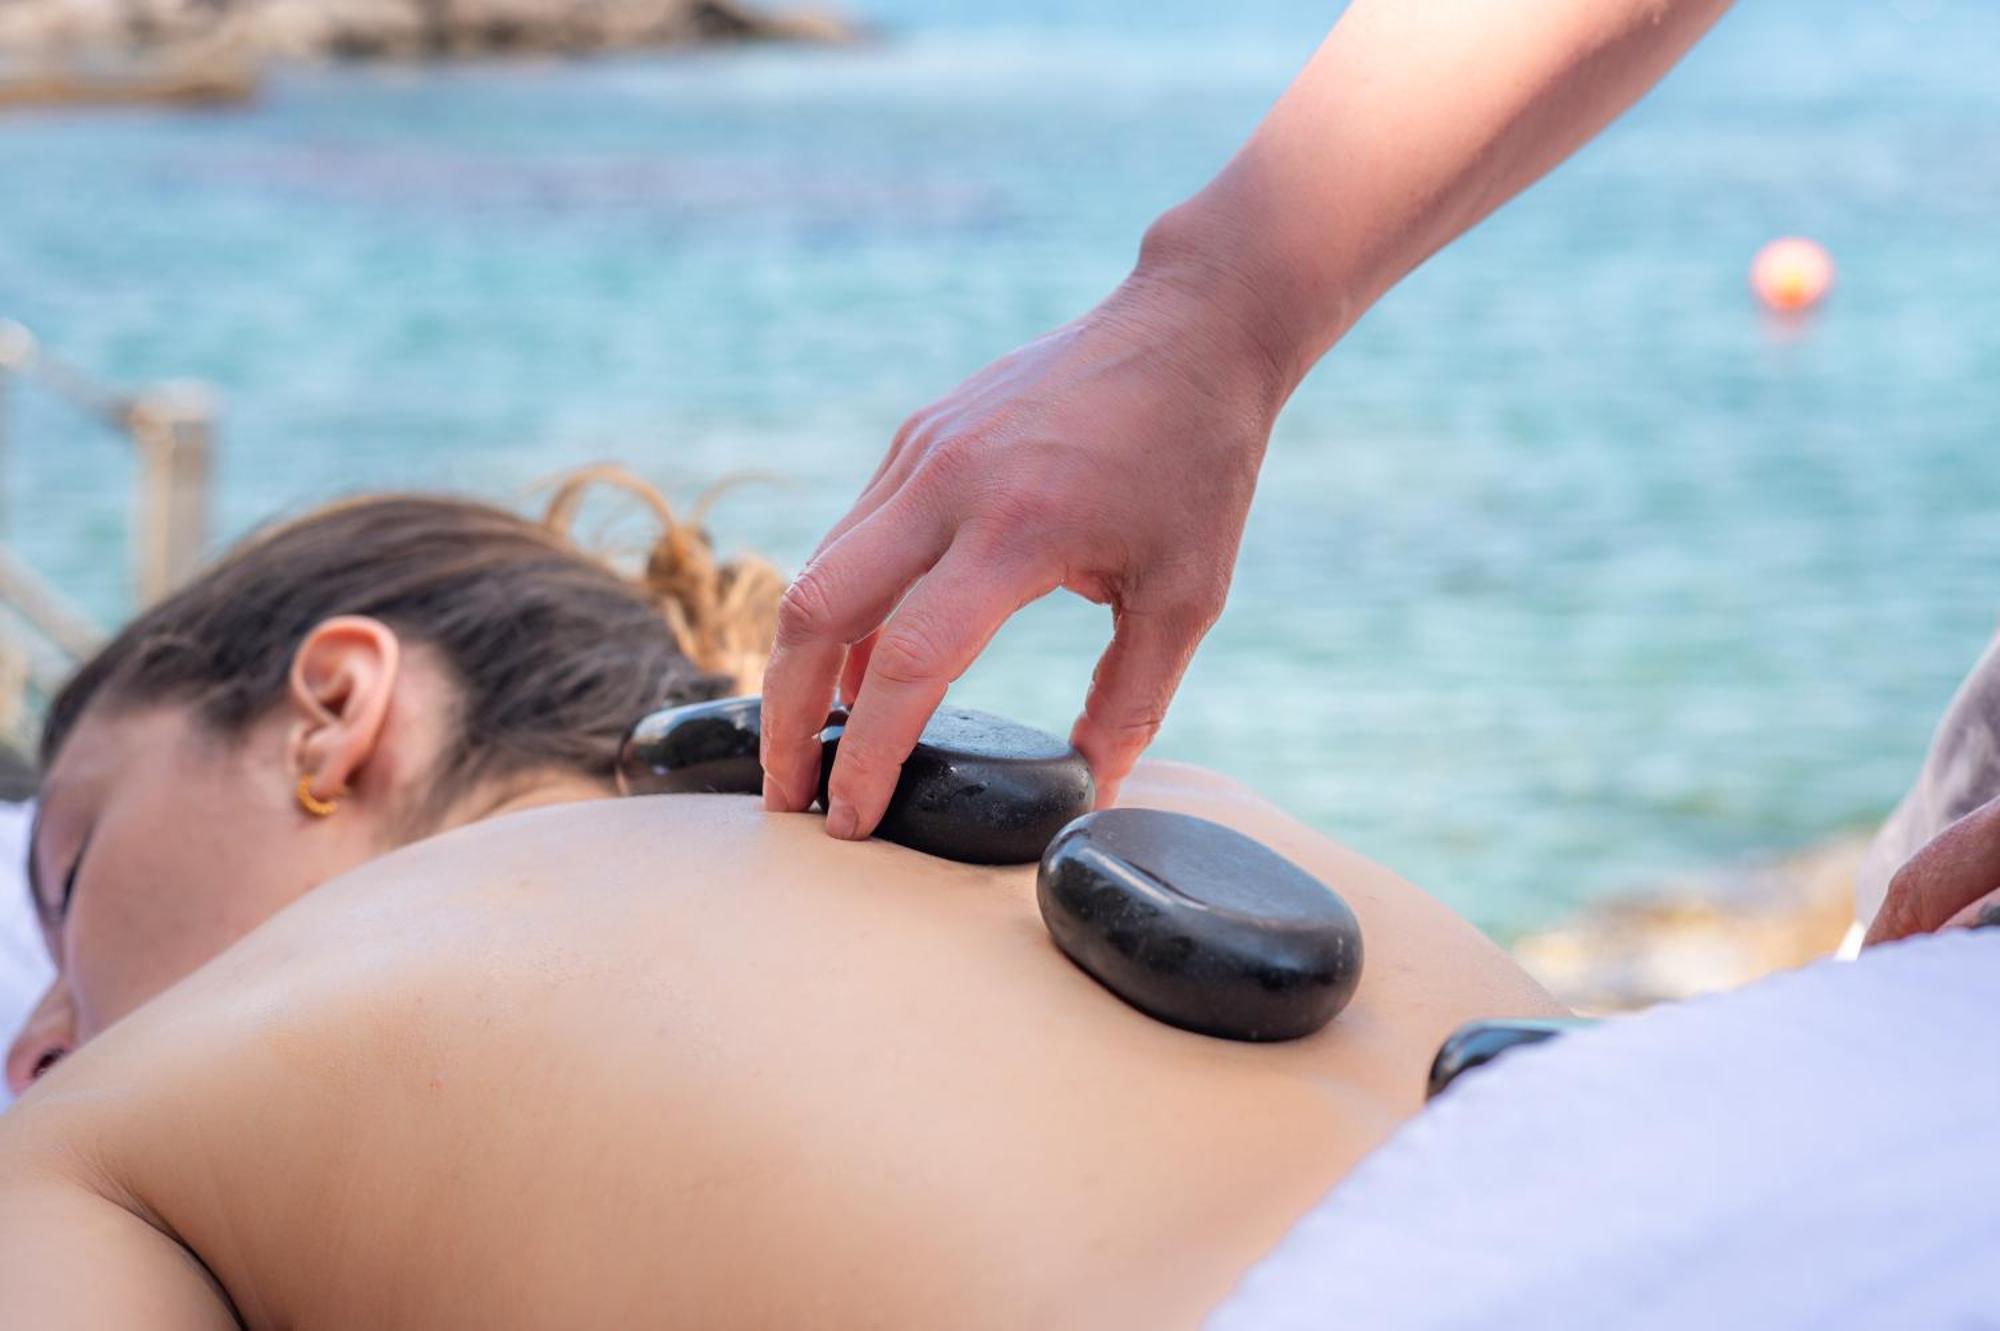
1568,569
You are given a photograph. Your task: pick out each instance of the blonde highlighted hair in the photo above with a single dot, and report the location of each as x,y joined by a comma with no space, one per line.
722,613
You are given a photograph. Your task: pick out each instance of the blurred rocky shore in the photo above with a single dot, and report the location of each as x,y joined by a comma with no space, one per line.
1699,935
39,31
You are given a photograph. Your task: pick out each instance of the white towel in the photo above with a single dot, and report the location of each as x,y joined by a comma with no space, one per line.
1821,1149
24,964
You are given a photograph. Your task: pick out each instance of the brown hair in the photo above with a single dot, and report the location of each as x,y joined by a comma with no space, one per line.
555,651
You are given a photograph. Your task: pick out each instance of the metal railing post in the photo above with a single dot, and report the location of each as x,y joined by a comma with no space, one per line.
17,728
172,430
174,427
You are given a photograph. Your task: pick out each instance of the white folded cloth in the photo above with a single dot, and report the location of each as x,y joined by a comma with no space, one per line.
24,964
1821,1149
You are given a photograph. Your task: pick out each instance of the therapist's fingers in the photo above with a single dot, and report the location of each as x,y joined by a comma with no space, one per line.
1112,456
1133,684
891,475
930,640
839,598
1981,914
1957,868
885,485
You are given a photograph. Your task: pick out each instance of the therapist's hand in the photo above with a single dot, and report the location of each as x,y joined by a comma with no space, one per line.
1115,457
1953,882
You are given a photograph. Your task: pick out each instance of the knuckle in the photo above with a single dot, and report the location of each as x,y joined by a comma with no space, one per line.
1135,726
1195,607
1124,717
805,611
911,431
910,653
952,459
1010,510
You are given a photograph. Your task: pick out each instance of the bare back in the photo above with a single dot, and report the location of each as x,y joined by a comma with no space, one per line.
676,1062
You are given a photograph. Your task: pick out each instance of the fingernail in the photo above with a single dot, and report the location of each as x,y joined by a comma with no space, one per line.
774,797
841,821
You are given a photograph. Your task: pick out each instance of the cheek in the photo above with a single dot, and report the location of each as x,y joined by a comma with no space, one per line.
157,903
134,929
189,841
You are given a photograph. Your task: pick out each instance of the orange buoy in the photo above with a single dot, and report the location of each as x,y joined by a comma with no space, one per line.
1791,274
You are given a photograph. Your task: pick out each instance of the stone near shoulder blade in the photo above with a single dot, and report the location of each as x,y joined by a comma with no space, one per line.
979,788
704,748
1198,925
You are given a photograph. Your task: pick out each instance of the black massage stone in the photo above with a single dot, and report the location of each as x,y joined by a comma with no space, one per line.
1200,926
1478,1043
979,788
704,748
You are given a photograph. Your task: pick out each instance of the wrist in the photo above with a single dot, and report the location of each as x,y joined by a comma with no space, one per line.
1247,306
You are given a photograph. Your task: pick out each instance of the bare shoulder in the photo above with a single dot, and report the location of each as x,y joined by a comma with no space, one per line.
78,1247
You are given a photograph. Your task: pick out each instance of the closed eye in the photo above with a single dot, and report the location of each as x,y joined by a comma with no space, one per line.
69,881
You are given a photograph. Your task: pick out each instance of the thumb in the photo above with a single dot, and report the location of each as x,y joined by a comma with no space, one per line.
1134,681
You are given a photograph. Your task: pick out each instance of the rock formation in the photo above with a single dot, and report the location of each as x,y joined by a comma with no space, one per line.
1698,935
393,29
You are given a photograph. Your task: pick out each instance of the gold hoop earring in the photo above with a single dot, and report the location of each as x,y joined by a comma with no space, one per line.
312,803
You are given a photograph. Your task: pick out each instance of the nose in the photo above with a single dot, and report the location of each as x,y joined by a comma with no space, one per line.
45,1040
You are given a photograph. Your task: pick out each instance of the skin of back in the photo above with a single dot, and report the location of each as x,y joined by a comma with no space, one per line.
678,1062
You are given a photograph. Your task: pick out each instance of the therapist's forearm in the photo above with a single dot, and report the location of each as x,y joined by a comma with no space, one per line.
1414,120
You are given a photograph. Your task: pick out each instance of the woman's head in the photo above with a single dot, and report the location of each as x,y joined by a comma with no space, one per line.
410,662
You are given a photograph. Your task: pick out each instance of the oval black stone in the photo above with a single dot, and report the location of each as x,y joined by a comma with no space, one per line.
1198,925
979,788
704,748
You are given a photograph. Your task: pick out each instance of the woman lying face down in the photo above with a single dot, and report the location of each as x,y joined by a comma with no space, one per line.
414,663
373,1013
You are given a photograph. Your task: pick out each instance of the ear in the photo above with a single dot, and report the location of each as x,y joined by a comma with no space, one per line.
343,678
